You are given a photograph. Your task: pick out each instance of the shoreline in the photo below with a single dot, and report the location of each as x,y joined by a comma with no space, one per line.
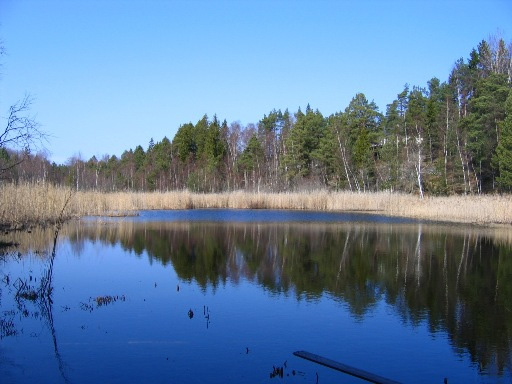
381,213
24,206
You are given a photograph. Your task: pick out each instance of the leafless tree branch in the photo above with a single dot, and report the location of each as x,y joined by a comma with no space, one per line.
21,132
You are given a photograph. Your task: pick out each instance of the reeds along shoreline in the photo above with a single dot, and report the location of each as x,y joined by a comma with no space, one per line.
31,204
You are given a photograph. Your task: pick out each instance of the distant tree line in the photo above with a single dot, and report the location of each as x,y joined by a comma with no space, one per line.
452,137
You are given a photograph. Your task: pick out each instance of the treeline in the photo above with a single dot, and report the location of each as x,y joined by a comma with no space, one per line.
451,137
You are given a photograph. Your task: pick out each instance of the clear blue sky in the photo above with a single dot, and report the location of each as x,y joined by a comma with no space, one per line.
109,75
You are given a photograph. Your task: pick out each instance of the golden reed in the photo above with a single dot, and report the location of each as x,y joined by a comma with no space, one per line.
33,203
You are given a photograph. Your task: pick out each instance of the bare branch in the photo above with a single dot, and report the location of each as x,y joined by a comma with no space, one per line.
21,132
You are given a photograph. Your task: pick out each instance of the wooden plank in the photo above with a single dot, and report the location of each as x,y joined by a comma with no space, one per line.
368,376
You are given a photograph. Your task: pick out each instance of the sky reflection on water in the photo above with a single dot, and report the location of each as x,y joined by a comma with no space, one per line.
261,215
408,301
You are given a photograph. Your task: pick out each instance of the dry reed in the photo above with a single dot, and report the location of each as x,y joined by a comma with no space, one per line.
31,204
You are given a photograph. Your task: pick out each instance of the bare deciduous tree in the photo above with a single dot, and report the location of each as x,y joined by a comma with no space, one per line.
21,133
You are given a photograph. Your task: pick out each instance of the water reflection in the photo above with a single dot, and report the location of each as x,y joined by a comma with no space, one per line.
456,279
33,298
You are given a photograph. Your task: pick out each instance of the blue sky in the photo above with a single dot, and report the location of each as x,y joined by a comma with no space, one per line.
109,75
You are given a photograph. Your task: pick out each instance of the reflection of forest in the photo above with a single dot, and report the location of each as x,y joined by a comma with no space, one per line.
456,279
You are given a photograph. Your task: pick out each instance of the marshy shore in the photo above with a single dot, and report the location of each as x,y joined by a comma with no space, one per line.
29,204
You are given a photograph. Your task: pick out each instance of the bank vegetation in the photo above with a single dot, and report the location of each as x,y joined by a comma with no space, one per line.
441,152
31,204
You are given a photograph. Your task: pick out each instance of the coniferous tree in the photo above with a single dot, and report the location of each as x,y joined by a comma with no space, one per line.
363,127
363,157
327,156
139,157
270,131
482,125
127,165
250,163
504,150
302,141
185,143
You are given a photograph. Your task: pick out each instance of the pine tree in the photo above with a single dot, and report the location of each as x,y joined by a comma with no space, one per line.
138,156
326,157
504,150
251,161
302,141
214,145
186,146
363,157
487,110
363,127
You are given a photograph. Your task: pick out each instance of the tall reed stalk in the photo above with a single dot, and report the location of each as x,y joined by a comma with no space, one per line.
33,203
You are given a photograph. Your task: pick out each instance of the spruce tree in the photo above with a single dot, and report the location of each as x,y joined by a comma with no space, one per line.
487,110
504,150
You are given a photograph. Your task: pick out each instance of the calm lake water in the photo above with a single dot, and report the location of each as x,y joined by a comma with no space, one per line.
227,296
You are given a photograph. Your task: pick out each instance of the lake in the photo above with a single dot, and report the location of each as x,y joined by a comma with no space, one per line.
227,296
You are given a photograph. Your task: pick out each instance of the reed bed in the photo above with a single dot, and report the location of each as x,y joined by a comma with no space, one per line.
32,204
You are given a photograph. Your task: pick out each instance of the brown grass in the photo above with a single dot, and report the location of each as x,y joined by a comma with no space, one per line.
32,204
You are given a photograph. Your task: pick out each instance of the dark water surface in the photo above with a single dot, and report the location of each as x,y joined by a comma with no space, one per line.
217,296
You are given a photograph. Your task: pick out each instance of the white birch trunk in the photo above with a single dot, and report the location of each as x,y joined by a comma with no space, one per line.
461,162
418,166
342,150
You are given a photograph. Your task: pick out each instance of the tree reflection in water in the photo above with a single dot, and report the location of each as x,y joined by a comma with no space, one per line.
456,279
